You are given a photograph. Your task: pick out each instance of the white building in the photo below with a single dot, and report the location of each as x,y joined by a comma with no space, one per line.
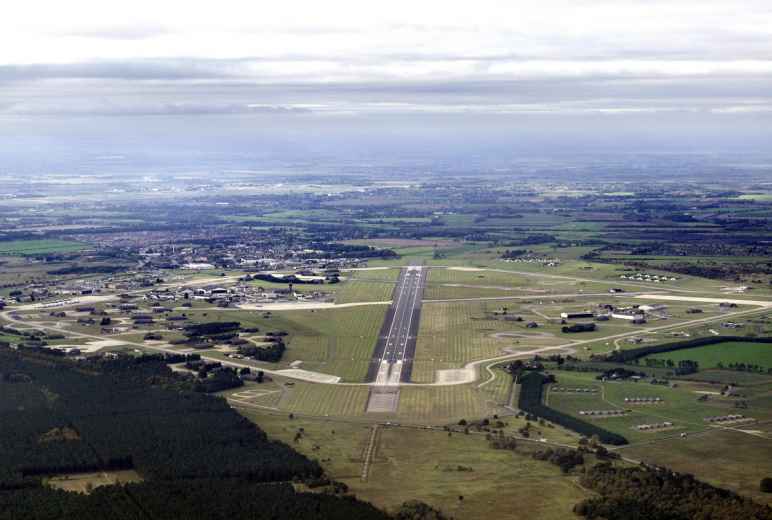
653,308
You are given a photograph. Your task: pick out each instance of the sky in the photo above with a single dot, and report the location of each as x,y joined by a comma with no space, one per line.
696,72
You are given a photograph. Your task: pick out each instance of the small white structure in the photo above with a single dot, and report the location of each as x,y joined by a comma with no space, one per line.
653,308
197,266
627,316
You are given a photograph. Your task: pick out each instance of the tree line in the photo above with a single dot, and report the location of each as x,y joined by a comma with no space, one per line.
644,493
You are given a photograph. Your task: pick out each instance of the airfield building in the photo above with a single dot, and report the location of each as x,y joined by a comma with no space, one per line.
576,315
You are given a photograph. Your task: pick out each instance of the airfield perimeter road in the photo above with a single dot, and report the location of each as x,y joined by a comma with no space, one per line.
392,360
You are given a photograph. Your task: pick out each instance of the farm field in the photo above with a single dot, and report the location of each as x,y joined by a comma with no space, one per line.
7,338
19,271
733,377
714,356
424,465
403,242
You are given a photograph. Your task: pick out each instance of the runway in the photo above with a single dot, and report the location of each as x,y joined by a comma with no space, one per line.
392,360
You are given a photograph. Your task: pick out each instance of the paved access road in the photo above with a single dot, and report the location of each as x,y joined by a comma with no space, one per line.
392,360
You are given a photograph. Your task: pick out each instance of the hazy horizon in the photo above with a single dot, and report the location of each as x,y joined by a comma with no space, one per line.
344,80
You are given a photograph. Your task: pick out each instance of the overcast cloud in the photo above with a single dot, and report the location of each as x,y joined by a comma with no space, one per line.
354,59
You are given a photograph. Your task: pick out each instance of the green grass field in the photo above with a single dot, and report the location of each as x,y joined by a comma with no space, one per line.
710,356
447,292
424,465
324,400
454,283
364,291
454,333
389,275
500,388
435,405
339,342
332,341
760,197
441,404
734,377
488,278
9,338
680,405
39,247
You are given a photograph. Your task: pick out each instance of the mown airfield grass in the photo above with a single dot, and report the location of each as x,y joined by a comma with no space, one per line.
365,291
455,333
332,341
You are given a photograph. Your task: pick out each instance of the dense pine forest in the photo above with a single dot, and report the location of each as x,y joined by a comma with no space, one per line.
198,458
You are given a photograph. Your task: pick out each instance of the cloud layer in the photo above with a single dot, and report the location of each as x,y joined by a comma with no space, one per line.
345,58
